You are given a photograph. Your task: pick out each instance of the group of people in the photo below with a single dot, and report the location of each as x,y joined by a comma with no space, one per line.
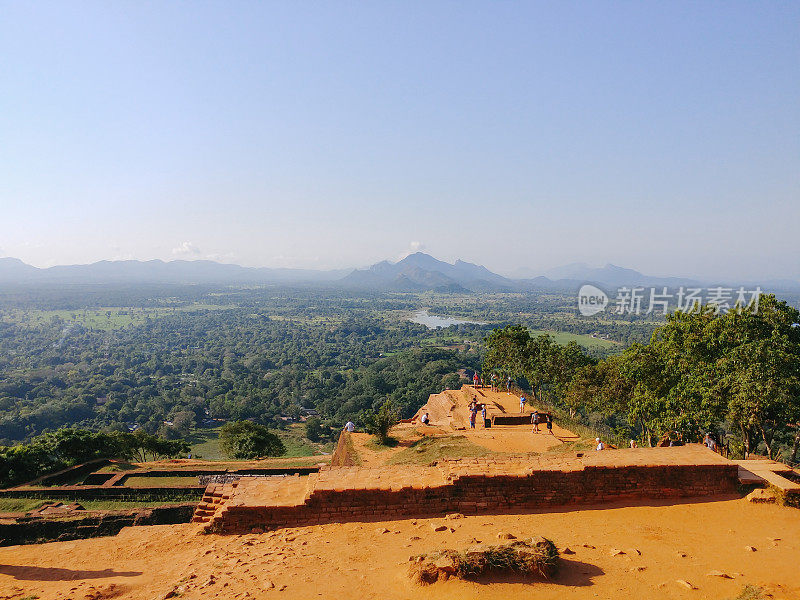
538,418
474,407
477,382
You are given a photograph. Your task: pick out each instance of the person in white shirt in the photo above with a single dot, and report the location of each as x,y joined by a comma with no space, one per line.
426,420
600,445
350,426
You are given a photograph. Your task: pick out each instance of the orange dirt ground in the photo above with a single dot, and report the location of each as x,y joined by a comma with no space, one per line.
662,545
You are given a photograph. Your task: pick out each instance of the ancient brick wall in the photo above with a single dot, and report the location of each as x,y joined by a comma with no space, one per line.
343,455
471,494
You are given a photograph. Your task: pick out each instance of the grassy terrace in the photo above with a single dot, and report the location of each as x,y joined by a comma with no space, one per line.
10,505
430,449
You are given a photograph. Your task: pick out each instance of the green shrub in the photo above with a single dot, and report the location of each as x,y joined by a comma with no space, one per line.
248,440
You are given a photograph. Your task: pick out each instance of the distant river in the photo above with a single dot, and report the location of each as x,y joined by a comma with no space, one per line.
433,321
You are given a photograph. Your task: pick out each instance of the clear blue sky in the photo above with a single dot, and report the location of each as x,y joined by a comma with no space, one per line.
659,136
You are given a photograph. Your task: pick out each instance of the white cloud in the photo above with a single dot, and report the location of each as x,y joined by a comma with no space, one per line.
186,249
412,248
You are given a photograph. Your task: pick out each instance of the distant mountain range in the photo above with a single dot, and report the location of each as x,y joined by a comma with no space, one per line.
416,272
420,271
13,270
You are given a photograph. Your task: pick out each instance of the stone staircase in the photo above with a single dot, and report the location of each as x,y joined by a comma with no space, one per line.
213,500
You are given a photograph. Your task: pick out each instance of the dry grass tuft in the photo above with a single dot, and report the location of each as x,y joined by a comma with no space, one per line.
537,557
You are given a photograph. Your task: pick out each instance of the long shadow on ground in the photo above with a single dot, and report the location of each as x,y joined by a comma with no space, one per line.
56,574
572,573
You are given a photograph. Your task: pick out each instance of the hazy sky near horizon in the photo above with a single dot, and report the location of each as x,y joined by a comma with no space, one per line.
659,136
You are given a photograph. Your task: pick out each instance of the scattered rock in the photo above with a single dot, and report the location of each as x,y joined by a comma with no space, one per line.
635,551
721,574
638,568
436,527
382,530
567,551
506,536
475,541
446,566
455,516
762,495
686,584
681,554
750,548
616,552
588,546
414,538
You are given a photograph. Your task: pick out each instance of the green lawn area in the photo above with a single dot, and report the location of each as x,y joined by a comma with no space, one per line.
20,504
28,504
118,467
138,481
587,341
205,444
560,337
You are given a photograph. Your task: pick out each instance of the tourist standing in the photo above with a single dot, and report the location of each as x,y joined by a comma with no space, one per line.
473,415
476,381
535,420
493,379
521,404
508,385
350,427
549,419
483,414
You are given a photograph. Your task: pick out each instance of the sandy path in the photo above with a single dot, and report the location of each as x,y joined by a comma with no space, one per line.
518,438
661,544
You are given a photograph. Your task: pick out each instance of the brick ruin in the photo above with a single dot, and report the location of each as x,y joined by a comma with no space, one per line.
469,486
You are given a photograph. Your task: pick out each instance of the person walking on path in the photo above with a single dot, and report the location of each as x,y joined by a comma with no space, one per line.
476,380
493,379
535,420
549,419
483,414
508,385
521,404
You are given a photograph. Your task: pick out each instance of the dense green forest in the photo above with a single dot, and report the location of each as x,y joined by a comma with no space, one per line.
168,359
734,375
174,361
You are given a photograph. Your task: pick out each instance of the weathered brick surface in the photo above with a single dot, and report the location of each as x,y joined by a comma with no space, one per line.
471,486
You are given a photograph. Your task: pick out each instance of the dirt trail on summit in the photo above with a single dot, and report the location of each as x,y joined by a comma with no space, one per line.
643,551
450,409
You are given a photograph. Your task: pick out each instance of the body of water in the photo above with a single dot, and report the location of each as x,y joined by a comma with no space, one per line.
433,321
